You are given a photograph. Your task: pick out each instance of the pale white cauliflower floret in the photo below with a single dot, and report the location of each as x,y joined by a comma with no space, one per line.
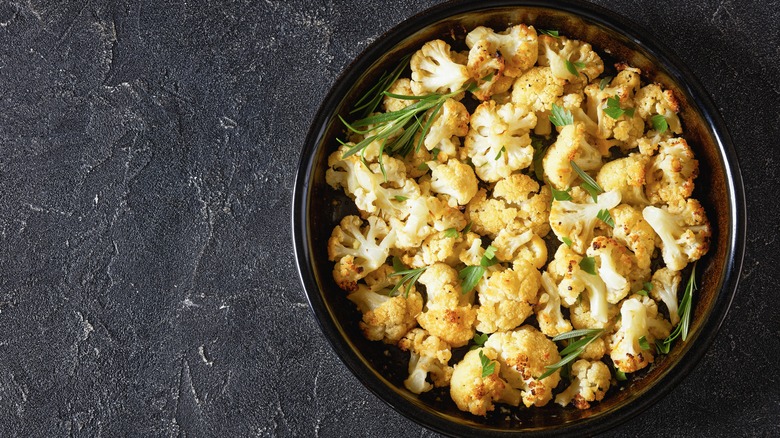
671,173
579,288
450,122
523,354
520,244
615,266
639,318
665,286
429,358
498,141
554,52
522,192
684,232
434,71
633,231
538,89
474,393
358,251
577,221
455,179
548,311
571,145
448,312
590,382
507,297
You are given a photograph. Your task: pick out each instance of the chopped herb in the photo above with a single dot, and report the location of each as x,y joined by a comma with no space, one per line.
620,375
503,149
589,184
398,266
552,33
567,241
604,82
561,116
642,292
400,198
659,123
488,366
574,349
540,150
614,110
605,217
479,340
423,167
467,229
561,195
588,264
470,276
643,344
435,153
648,286
490,252
409,278
451,232
574,66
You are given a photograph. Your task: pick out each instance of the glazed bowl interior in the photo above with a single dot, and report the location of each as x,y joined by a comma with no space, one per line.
317,209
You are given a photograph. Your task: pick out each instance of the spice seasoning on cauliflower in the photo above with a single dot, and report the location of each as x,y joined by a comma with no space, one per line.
463,163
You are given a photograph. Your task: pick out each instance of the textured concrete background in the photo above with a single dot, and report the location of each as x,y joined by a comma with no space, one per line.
147,156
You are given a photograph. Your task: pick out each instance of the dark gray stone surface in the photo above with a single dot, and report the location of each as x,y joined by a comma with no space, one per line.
147,156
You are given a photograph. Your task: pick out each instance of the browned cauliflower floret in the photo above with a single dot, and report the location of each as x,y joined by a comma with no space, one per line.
517,46
402,86
616,267
438,247
665,285
448,313
488,216
532,202
590,382
626,175
474,390
498,141
633,231
358,251
455,179
672,171
652,100
577,221
639,318
523,354
429,358
538,89
434,71
563,55
548,310
386,318
518,243
684,232
572,144
628,126
507,297
449,123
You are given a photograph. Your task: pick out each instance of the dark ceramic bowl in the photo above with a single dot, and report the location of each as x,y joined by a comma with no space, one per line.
317,209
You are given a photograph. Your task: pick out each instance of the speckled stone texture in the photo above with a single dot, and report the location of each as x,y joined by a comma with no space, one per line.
147,156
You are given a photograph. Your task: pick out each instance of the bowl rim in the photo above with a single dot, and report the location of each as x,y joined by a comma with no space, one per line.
677,70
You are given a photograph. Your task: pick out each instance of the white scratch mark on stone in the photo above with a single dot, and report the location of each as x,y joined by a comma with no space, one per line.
227,123
202,353
86,327
189,303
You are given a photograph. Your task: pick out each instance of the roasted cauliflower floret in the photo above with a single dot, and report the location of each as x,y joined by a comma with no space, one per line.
507,297
517,46
555,52
577,287
672,171
577,221
474,392
538,89
434,71
522,192
520,244
548,310
411,232
358,250
455,179
489,216
386,318
684,232
639,318
448,313
628,126
402,86
652,100
665,286
438,247
572,144
614,265
450,122
589,383
633,231
523,354
429,358
498,141
626,175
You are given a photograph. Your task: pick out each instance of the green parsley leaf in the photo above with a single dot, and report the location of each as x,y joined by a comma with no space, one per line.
561,195
490,252
435,153
648,286
409,278
605,217
400,198
479,339
423,167
488,366
642,292
552,33
620,375
467,229
561,116
574,349
572,68
604,82
659,123
567,241
588,264
614,110
451,232
470,276
503,149
643,344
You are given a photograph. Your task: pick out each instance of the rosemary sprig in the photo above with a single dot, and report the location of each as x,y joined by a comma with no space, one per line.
589,184
574,349
373,97
684,310
410,277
